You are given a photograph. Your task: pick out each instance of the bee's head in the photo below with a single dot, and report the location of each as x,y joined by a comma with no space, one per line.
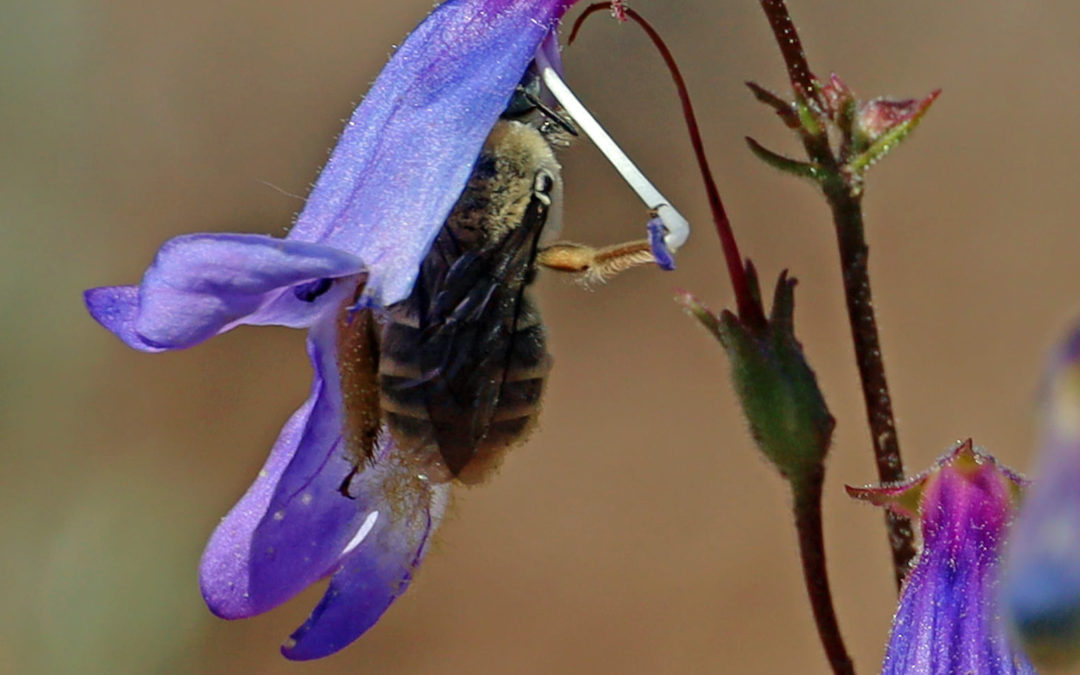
526,105
526,97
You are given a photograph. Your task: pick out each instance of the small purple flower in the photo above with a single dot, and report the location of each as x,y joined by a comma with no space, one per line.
397,170
1041,585
947,622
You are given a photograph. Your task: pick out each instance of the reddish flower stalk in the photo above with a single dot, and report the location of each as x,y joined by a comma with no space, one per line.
749,308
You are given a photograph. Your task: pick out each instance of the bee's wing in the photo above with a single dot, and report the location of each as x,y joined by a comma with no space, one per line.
470,337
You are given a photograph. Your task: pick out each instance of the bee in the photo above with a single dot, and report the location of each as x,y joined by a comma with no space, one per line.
455,372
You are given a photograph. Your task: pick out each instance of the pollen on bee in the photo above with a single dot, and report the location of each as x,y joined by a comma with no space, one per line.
357,355
408,494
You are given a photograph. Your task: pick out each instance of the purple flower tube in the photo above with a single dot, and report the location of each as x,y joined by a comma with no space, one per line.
947,622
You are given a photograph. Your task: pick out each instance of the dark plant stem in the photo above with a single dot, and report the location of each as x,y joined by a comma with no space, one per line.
843,192
790,47
807,493
854,260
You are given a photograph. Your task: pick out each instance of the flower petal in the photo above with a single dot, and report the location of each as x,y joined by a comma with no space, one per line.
116,307
201,285
224,573
948,621
381,557
408,149
288,531
295,526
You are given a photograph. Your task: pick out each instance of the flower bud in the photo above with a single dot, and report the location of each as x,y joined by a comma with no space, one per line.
779,393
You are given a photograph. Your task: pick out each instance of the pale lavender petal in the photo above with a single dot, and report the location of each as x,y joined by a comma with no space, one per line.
406,153
224,573
1041,588
201,285
116,307
289,530
381,558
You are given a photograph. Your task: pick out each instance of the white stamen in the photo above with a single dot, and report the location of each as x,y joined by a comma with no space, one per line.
364,530
678,229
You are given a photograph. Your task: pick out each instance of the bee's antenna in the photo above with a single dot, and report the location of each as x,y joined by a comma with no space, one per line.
548,112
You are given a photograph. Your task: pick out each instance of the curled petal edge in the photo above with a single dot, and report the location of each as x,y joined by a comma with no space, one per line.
202,285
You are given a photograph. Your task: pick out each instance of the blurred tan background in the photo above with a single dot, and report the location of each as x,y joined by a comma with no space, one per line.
638,531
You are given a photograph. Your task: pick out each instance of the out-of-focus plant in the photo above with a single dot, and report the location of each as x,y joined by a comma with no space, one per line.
1040,593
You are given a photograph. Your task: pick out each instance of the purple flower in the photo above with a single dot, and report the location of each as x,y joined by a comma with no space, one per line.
947,622
397,170
1041,585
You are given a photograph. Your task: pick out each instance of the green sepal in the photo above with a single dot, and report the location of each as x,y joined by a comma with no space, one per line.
786,411
809,119
794,167
784,110
701,313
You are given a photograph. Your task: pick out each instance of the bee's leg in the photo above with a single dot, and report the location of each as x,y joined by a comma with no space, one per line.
595,264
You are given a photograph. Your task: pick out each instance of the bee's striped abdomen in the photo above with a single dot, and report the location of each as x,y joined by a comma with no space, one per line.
457,408
462,360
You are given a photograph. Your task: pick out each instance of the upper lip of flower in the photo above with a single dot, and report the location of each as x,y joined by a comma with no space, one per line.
417,131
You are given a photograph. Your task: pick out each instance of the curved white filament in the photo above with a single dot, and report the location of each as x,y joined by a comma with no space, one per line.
678,229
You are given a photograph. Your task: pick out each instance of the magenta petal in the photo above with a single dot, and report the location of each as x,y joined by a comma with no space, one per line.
948,621
404,157
201,285
383,553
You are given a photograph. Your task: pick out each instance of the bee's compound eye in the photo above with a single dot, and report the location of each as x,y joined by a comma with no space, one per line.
544,182
523,101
